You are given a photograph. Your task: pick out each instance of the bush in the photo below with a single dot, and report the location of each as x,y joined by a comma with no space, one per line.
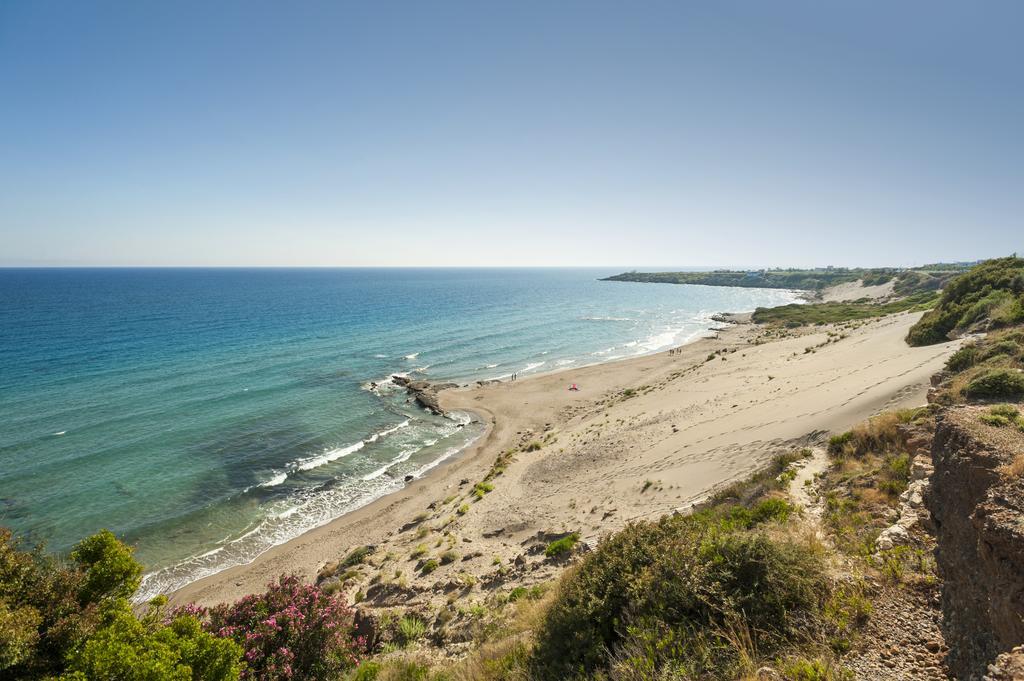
357,557
964,358
394,670
990,294
837,443
410,630
668,593
73,620
292,630
997,383
429,566
482,488
129,649
1003,415
110,569
562,546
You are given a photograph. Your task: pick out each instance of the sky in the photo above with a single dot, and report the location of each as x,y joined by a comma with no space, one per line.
646,134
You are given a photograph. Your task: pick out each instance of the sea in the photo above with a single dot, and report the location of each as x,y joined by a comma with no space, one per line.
206,415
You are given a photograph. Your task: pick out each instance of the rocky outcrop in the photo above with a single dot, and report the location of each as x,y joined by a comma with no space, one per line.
1008,666
978,514
424,393
914,518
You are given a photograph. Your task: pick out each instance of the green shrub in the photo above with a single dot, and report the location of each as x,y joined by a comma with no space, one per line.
798,314
411,629
394,670
562,546
669,591
482,488
130,649
429,566
989,292
73,620
964,358
1003,415
847,609
110,569
997,383
356,557
449,557
774,509
836,443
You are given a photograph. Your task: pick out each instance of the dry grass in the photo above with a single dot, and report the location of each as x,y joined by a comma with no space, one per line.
1014,469
504,654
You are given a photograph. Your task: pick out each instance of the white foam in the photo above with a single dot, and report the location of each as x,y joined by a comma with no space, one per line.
61,432
287,513
659,341
276,479
412,356
385,433
327,457
335,454
306,510
563,362
380,356
405,455
533,365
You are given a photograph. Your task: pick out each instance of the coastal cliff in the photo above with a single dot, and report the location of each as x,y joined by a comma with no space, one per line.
978,508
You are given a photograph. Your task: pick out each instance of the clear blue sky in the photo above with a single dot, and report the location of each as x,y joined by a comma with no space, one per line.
515,133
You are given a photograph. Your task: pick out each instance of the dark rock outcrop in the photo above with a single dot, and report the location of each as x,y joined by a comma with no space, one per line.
978,512
424,393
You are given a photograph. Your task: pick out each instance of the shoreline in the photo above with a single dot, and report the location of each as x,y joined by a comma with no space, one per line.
533,496
724,321
359,515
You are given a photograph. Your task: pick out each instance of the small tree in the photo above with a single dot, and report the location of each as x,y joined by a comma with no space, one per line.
132,649
110,569
73,620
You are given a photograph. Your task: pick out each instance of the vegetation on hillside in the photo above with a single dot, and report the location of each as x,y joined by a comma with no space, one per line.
989,299
929,277
871,468
989,296
715,594
795,315
73,620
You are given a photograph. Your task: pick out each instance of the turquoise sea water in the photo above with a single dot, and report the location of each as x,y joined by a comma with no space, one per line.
209,414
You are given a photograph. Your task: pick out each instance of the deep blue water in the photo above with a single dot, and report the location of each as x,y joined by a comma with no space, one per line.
208,414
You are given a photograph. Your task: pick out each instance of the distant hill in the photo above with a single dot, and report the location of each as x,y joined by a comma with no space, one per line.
928,277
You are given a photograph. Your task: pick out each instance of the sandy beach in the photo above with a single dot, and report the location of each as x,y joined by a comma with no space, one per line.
641,437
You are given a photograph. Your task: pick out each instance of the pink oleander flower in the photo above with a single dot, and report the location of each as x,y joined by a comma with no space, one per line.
292,630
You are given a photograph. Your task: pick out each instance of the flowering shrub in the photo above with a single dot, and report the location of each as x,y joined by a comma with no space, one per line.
291,631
